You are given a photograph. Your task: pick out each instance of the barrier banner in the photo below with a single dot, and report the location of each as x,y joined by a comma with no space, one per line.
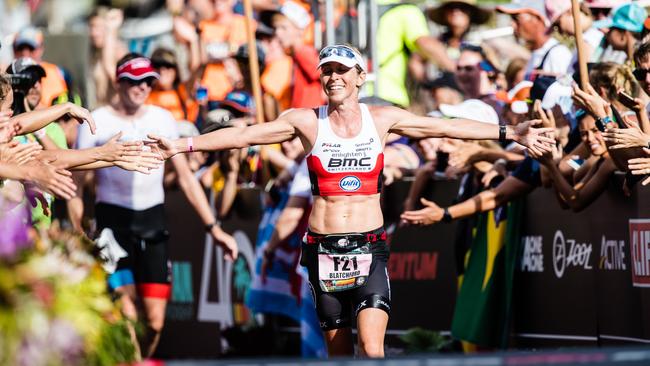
580,279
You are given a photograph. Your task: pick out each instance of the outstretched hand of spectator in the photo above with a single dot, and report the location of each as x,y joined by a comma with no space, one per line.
640,166
35,195
593,103
19,154
430,214
8,129
113,149
548,120
538,140
226,241
547,157
143,162
49,178
81,115
114,19
622,138
184,31
161,145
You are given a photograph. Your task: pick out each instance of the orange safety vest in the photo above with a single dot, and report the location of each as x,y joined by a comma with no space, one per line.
177,102
215,78
52,85
276,80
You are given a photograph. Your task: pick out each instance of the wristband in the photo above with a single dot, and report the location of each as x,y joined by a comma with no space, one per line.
502,133
446,216
190,144
208,227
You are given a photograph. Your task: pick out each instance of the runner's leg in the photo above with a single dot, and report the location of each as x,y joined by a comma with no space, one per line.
154,309
127,296
371,324
339,342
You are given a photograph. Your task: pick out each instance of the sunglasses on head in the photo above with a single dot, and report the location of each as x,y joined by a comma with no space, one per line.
640,74
342,51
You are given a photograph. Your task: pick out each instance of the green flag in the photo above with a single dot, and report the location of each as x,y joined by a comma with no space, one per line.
484,302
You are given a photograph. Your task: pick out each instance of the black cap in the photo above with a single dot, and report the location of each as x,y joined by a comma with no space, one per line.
24,65
242,53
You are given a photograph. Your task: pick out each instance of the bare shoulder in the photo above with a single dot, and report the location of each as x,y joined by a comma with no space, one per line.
299,115
386,116
302,119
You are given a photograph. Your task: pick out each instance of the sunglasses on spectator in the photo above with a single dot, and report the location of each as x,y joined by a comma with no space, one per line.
640,74
483,65
148,81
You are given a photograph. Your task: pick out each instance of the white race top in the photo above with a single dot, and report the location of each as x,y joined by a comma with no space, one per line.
132,190
557,61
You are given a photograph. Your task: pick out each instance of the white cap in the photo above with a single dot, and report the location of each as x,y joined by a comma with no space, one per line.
296,14
558,93
471,109
342,54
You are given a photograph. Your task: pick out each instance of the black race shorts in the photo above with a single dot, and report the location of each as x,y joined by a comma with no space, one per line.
336,309
143,236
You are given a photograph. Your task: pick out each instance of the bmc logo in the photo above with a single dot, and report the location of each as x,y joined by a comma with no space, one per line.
348,162
350,183
640,250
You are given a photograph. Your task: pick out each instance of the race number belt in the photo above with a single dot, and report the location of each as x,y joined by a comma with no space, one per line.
344,261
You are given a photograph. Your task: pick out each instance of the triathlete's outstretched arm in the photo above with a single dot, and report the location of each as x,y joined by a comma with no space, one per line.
410,125
267,133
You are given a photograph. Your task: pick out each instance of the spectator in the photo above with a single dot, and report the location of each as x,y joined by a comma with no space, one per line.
290,23
530,24
277,75
220,36
403,30
444,90
600,9
457,17
625,28
561,18
29,43
106,49
130,205
169,92
476,75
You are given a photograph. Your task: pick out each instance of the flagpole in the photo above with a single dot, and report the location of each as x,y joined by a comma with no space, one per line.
582,58
253,62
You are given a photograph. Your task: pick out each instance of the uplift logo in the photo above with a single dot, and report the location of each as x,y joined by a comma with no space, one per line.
350,183
579,254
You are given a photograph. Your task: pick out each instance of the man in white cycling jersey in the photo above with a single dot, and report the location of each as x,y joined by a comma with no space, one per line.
130,204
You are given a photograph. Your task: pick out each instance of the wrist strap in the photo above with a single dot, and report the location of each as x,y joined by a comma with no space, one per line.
502,133
446,216
208,227
190,144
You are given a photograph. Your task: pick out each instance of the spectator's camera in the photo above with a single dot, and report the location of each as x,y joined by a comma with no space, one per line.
21,83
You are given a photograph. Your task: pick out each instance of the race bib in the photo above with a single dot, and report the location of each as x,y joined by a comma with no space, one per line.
339,272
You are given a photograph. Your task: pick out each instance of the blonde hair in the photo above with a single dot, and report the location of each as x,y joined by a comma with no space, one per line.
5,86
612,77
